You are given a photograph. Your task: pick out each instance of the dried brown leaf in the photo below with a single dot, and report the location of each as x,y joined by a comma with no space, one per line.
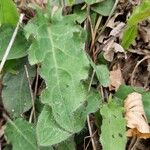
135,132
116,79
108,49
134,113
118,29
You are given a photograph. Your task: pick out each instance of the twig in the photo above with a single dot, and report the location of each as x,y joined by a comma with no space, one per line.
134,70
11,43
87,145
85,141
91,134
35,92
32,96
36,81
136,143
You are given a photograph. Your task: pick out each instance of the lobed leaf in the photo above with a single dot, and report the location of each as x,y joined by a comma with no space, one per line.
58,46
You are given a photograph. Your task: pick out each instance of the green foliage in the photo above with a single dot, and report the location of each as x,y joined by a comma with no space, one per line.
19,48
93,1
16,94
113,127
67,145
48,131
129,36
140,13
57,43
8,12
102,73
103,8
21,134
146,102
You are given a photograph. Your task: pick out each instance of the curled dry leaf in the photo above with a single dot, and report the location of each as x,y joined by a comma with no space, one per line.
135,116
118,29
108,49
115,78
112,23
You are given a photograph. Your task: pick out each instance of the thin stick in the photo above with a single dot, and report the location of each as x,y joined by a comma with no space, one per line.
11,42
35,92
36,81
91,134
32,95
134,70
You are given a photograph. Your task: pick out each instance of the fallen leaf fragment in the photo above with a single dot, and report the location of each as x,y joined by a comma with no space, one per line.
115,78
110,48
135,132
135,116
118,29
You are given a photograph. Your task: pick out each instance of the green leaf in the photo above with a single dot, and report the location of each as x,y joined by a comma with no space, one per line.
60,44
94,101
103,8
124,90
140,13
56,133
102,73
21,134
48,131
20,46
113,129
8,12
46,148
93,1
129,36
146,102
8,147
81,14
67,145
16,94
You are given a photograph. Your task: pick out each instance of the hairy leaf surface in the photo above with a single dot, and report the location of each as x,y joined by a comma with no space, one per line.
113,130
48,131
22,135
16,94
59,47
